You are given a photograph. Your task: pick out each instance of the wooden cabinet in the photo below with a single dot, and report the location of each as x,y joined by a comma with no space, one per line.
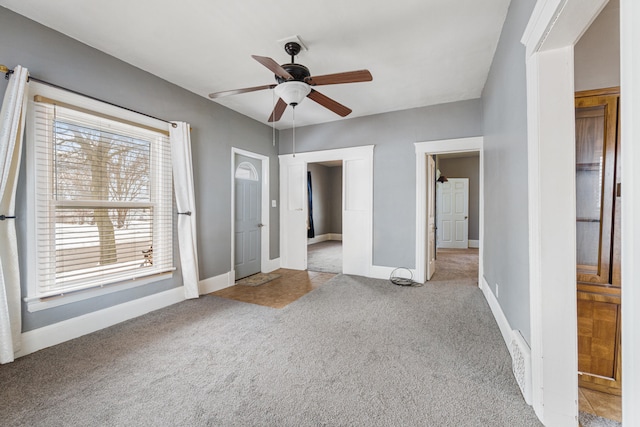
598,239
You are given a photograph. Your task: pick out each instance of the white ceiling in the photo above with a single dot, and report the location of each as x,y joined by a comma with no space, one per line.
420,52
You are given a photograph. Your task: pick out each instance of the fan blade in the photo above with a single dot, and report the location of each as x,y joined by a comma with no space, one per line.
278,110
238,91
329,103
273,66
338,78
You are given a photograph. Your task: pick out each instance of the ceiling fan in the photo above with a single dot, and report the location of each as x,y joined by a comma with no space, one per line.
295,83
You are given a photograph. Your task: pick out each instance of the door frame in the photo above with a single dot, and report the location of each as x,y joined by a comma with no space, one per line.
264,206
550,36
364,243
427,148
432,218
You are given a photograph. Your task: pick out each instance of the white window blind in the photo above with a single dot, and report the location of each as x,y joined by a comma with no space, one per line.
103,192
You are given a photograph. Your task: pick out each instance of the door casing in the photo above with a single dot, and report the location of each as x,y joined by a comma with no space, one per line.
423,150
431,218
357,207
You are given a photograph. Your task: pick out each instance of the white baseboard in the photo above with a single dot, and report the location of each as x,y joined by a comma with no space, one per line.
324,237
382,272
66,330
498,314
216,283
474,244
518,348
270,265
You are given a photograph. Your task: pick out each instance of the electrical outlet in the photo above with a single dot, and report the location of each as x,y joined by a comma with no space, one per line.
273,203
497,290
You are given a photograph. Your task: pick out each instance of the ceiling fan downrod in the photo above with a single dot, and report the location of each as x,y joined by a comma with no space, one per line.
297,72
293,49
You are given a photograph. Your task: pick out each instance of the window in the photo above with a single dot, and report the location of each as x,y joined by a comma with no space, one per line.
102,194
246,170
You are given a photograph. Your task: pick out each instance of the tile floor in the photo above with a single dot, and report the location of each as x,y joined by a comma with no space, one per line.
601,404
278,293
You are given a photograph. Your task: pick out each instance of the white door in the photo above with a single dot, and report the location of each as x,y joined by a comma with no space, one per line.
247,221
356,208
293,214
431,214
452,204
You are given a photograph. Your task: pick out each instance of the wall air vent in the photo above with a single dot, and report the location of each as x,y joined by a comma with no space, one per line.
521,364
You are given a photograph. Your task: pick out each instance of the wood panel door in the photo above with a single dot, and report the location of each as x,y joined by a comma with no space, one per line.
598,239
453,213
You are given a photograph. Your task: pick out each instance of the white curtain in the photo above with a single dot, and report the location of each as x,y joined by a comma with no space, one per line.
185,199
12,118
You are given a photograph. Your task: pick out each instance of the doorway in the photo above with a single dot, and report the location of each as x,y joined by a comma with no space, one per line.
550,36
470,147
324,224
598,209
357,207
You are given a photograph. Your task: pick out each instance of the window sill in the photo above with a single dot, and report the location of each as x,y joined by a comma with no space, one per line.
37,304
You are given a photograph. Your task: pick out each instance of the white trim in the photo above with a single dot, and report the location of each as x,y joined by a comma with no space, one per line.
38,299
496,310
37,304
265,232
66,330
508,336
473,144
382,272
364,243
216,283
474,244
324,237
271,265
630,110
553,29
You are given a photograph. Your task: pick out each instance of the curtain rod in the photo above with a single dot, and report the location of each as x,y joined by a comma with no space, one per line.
7,73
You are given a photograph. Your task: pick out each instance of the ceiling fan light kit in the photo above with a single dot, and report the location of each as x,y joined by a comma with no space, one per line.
292,92
295,81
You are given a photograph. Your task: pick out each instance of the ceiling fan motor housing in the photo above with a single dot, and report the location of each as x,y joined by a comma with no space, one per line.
298,71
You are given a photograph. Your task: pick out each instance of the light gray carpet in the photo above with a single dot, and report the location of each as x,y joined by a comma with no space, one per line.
354,352
325,256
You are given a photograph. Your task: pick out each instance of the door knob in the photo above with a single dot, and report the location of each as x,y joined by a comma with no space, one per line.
260,225
466,217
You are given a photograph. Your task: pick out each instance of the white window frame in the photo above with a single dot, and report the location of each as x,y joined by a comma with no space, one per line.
35,300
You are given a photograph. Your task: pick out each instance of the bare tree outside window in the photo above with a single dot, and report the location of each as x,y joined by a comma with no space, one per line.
99,168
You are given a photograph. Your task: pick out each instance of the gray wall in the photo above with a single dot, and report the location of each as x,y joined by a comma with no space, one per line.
466,167
506,241
327,202
597,53
59,59
394,160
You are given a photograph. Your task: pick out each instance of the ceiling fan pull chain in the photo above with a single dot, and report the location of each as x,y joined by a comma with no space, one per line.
273,122
294,130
